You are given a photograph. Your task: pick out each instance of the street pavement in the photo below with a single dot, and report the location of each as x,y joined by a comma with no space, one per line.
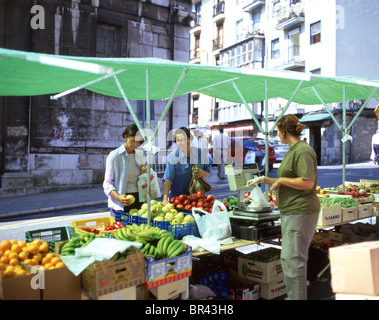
46,202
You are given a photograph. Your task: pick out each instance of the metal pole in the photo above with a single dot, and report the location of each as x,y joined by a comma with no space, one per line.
266,138
149,141
343,140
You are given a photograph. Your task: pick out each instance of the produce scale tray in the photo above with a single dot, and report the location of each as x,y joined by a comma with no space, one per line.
51,235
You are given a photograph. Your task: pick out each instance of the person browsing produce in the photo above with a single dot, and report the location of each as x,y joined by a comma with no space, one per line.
123,167
178,173
297,202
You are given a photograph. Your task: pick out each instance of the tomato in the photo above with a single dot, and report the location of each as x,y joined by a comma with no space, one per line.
182,197
180,206
194,203
172,199
176,202
210,198
200,193
186,202
194,197
188,207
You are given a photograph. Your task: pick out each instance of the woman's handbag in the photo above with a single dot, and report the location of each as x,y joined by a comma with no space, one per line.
198,184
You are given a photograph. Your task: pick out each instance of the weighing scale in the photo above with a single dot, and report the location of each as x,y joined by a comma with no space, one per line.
248,222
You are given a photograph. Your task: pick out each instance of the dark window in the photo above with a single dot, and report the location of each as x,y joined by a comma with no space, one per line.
275,51
108,41
316,32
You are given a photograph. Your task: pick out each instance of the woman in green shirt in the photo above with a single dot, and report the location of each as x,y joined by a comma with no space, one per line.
297,202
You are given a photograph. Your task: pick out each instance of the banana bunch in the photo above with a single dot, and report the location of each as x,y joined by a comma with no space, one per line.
68,249
166,247
142,233
122,255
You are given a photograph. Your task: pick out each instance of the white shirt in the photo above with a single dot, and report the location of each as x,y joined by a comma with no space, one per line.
217,141
116,174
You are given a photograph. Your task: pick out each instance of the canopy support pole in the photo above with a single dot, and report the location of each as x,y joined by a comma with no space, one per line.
344,133
266,138
327,108
247,107
83,86
287,105
130,108
149,145
169,102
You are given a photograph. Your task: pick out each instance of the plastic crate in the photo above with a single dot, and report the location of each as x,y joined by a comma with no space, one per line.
126,218
51,235
98,223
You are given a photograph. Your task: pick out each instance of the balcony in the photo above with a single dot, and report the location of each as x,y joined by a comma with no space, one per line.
290,60
219,11
217,43
292,20
252,5
195,56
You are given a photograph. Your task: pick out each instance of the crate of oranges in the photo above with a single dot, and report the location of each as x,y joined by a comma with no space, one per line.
16,257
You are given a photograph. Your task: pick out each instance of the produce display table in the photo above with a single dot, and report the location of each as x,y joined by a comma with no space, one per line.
236,244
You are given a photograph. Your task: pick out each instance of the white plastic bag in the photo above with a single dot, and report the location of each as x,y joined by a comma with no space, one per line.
216,225
155,191
258,198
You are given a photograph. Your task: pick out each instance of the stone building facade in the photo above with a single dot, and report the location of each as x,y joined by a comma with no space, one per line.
54,145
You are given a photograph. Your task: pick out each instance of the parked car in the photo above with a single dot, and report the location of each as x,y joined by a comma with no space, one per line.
280,149
251,154
260,144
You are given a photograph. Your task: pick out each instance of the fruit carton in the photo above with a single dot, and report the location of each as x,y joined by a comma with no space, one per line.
329,215
168,270
349,214
102,278
19,288
261,271
365,211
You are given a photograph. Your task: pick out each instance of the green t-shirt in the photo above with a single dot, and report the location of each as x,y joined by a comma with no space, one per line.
299,161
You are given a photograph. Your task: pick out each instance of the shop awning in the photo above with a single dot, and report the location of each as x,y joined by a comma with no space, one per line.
315,117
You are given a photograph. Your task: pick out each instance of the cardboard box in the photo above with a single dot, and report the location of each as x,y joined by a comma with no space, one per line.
103,278
272,290
60,284
355,268
330,215
349,214
261,272
343,296
170,290
364,211
164,271
20,288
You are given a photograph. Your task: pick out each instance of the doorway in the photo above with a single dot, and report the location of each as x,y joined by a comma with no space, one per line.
315,141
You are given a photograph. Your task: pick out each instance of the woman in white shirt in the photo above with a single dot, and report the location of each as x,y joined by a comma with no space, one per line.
123,167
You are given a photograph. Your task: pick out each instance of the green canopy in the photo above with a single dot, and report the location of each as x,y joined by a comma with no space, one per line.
29,74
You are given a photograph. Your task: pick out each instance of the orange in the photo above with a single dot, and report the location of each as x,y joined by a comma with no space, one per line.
23,255
55,260
28,261
4,259
33,249
2,266
60,265
13,241
44,247
38,256
13,255
51,268
5,245
19,272
21,243
1,253
50,256
48,265
7,252
34,261
13,262
37,242
16,248
45,260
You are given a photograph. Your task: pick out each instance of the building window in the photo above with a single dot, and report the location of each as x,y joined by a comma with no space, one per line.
275,50
108,41
239,30
316,32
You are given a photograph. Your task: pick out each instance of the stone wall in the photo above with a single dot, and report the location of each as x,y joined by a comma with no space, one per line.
53,145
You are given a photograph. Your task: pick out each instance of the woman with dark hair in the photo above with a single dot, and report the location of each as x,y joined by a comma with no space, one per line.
297,202
178,172
123,167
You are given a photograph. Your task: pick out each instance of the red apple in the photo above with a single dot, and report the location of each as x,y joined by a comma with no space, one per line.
188,207
176,202
182,197
210,198
172,199
179,206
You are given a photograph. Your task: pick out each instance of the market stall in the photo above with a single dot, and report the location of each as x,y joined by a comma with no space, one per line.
29,74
